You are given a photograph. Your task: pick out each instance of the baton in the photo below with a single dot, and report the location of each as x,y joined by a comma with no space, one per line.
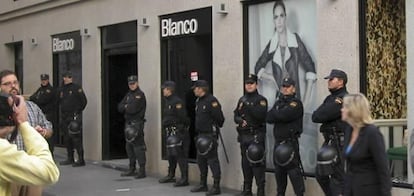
222,142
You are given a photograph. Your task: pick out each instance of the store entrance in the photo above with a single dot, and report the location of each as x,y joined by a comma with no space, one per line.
118,68
183,58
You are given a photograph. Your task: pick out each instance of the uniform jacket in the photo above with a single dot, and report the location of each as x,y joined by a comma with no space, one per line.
367,171
174,112
45,97
72,99
287,117
329,113
36,167
208,114
133,105
295,55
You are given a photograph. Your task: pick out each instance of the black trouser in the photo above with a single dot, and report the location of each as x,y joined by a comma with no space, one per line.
72,141
250,170
136,148
210,159
182,157
292,170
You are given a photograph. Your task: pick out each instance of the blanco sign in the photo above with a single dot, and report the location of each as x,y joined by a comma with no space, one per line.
174,28
63,45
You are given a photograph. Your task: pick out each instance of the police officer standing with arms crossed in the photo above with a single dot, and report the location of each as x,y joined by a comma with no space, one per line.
133,106
175,123
209,118
250,117
329,114
45,97
72,101
287,116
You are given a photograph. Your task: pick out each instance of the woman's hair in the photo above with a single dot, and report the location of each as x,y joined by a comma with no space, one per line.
281,4
359,113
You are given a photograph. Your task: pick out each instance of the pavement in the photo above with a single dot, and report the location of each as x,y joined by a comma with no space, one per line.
102,178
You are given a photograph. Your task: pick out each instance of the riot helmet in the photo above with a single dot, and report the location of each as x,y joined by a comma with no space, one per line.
74,127
130,133
283,154
204,144
255,153
174,144
327,158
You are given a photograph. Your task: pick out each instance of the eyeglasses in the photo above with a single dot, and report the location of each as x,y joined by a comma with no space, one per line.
11,83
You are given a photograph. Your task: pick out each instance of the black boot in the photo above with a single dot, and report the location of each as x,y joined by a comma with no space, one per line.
216,188
131,172
141,173
69,160
81,161
247,190
261,190
202,187
184,179
169,178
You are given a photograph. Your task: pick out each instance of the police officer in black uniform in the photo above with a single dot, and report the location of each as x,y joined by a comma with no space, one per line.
133,106
72,102
175,122
287,116
46,98
329,114
209,118
250,117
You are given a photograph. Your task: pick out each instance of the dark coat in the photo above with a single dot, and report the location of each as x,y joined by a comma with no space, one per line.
296,55
133,106
367,171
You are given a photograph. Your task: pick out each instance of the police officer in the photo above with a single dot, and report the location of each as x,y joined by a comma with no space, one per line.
45,97
250,117
133,106
175,123
72,102
329,114
287,116
209,118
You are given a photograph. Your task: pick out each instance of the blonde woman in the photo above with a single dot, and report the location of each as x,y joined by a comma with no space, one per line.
366,163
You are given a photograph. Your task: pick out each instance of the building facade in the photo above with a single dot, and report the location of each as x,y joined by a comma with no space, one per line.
104,41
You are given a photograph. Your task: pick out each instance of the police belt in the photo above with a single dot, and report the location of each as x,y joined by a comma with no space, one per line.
248,130
175,129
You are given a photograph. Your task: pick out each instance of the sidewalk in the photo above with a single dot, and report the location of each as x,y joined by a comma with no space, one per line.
102,178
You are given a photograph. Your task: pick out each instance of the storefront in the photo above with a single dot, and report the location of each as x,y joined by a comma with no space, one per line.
67,56
186,56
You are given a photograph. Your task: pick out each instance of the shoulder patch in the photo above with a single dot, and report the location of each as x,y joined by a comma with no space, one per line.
80,90
178,105
293,104
338,100
263,103
214,104
240,105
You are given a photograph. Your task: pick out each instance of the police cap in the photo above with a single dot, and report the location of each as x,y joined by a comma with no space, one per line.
132,79
44,76
250,79
67,74
200,83
336,73
168,84
287,82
